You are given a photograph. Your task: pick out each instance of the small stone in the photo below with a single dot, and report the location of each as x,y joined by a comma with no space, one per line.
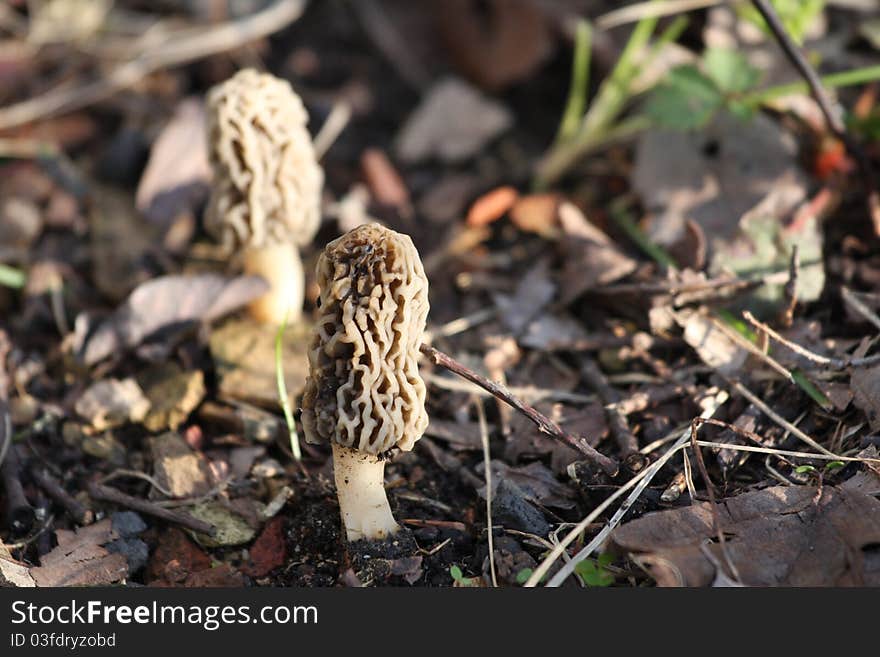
173,395
113,402
127,523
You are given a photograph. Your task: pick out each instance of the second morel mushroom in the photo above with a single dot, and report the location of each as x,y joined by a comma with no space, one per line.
364,394
266,196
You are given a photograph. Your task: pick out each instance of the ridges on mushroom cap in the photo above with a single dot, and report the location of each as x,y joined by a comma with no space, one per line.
267,184
364,390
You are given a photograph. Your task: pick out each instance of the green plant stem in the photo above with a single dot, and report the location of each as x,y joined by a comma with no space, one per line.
11,277
282,392
622,218
563,157
597,128
580,79
833,81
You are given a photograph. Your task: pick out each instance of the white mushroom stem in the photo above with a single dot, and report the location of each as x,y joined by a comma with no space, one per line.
360,485
282,268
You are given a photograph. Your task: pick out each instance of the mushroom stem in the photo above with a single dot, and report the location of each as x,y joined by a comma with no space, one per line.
360,485
282,268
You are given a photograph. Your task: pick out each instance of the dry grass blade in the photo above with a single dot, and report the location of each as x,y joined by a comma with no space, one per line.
487,458
636,12
639,483
174,51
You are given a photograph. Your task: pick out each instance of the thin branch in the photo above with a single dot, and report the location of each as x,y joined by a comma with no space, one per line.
55,490
778,419
836,363
859,306
174,52
832,118
617,422
544,424
108,494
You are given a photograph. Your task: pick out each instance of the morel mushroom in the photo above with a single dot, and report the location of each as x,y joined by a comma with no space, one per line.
266,195
364,393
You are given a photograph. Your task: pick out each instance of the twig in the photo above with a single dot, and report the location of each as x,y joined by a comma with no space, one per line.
617,422
544,424
487,456
741,342
850,298
638,11
53,488
176,51
790,289
334,124
832,118
778,419
638,483
108,494
713,502
836,363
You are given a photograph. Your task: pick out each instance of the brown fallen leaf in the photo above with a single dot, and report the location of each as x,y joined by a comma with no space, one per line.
162,303
492,206
269,551
383,179
591,258
177,175
785,535
453,122
80,559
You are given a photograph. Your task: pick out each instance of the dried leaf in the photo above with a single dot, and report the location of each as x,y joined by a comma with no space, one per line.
81,560
165,302
865,384
534,291
177,175
714,347
453,122
785,535
173,395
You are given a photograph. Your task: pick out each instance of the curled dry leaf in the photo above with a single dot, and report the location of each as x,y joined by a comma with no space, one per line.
162,303
785,535
453,122
177,175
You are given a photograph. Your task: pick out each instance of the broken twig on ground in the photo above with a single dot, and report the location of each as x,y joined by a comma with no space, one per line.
544,424
108,494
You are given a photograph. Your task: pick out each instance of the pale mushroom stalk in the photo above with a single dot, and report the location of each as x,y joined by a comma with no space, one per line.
360,487
282,268
364,394
266,196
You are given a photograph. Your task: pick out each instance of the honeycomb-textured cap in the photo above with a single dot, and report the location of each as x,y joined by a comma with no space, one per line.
364,389
267,181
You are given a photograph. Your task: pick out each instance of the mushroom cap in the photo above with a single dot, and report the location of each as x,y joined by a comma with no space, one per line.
267,181
364,389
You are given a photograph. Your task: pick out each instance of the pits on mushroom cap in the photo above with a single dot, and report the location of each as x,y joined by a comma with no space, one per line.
267,185
365,390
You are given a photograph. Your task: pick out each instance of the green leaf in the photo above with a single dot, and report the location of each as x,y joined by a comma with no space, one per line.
687,100
729,70
523,576
456,573
803,469
834,465
810,388
593,573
